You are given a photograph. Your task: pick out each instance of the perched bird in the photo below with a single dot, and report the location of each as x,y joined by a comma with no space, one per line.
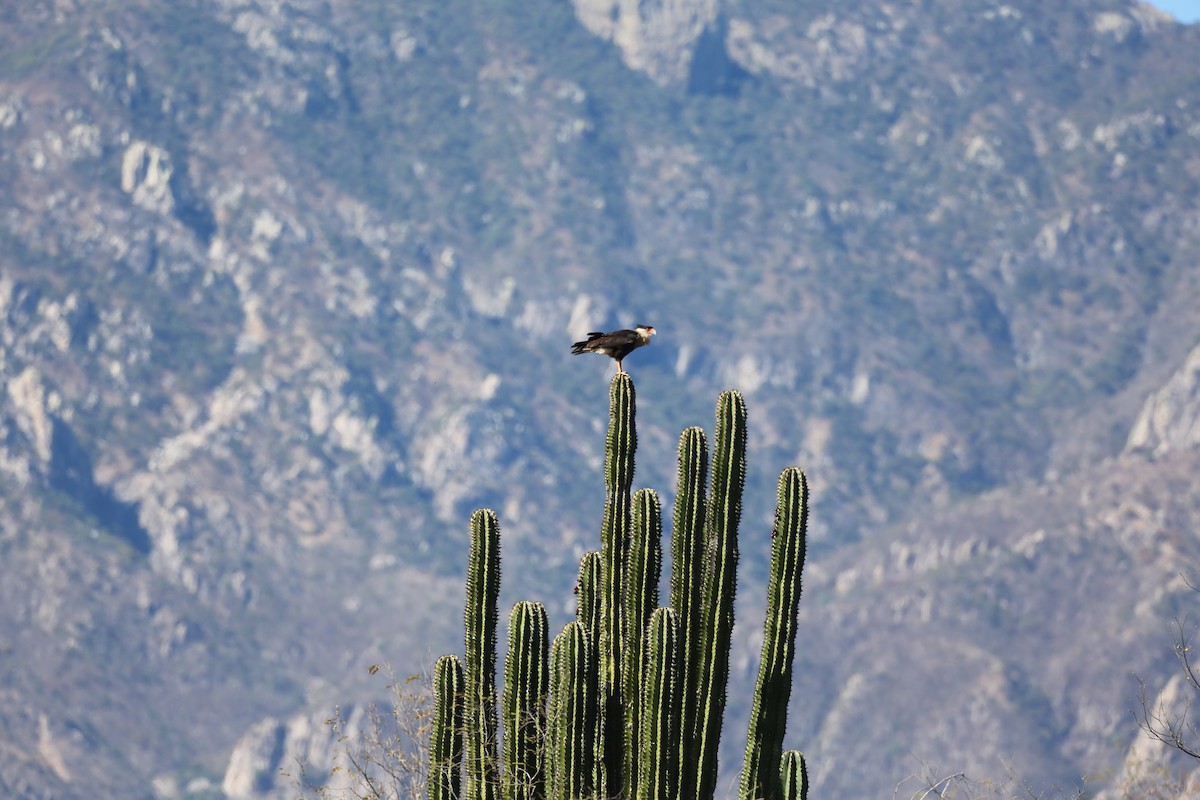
617,344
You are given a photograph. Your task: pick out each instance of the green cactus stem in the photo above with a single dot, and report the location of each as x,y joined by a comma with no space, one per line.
659,718
614,546
446,734
687,539
793,776
483,595
590,590
768,718
641,598
719,584
526,688
572,742
614,536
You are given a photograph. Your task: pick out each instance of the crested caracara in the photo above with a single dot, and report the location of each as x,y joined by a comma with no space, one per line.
617,344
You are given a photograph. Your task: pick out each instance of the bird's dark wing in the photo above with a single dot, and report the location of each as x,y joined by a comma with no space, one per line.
615,344
616,339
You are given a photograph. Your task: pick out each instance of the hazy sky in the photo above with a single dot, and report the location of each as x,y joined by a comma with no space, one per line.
1185,10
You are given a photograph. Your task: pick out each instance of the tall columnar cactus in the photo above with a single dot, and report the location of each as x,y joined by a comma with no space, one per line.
658,742
590,615
768,719
526,687
446,734
687,539
641,598
637,693
719,582
614,548
483,597
571,744
614,534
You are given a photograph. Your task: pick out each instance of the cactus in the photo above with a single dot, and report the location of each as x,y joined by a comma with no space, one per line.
614,534
641,598
614,549
446,734
572,741
768,719
526,687
637,693
589,615
719,582
686,559
483,596
658,742
589,590
793,776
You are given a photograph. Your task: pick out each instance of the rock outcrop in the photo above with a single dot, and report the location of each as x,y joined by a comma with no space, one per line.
657,37
1170,418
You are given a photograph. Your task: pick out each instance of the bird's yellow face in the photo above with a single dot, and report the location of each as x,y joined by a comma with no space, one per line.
645,332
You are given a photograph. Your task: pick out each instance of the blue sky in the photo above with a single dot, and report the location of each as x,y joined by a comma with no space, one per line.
1184,10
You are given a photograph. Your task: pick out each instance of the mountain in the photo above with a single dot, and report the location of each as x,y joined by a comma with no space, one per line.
287,289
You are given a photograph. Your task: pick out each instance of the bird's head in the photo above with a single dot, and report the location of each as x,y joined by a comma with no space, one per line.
645,331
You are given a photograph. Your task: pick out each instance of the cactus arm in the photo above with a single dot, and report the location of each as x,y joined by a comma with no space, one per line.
768,717
526,686
483,595
659,757
644,567
793,776
687,537
621,442
572,741
614,535
446,733
614,545
589,590
590,618
719,584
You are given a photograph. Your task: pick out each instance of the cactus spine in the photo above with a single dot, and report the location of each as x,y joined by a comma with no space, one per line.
483,596
526,686
768,719
446,734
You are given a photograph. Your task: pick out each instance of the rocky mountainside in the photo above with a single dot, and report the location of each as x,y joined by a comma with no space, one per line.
287,289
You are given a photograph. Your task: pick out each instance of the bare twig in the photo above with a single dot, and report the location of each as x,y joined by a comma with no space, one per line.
1170,724
934,788
386,756
958,786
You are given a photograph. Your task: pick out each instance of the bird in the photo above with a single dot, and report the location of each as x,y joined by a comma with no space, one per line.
617,344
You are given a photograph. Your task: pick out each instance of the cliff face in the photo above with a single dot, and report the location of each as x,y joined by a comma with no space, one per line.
286,290
1170,418
658,38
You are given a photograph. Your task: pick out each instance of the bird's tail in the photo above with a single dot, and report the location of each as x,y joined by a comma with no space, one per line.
586,345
